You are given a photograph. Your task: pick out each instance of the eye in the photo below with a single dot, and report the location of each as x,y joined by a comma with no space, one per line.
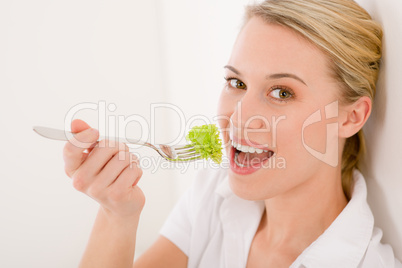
280,93
235,83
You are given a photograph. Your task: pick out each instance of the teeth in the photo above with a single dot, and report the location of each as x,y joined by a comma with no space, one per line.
247,149
237,161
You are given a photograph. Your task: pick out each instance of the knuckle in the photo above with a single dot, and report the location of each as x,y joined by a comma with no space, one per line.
129,157
123,147
111,146
103,143
123,157
133,157
135,167
67,171
106,143
68,151
134,161
140,172
78,185
103,147
134,171
79,181
94,190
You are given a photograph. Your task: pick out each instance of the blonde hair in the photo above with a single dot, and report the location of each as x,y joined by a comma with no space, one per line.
352,41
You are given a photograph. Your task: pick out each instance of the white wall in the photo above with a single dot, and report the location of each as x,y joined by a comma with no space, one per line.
53,56
57,54
383,165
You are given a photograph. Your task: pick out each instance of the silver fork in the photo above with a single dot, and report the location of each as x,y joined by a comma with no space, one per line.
178,153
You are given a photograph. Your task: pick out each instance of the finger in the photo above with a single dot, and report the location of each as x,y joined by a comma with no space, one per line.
98,184
136,165
115,167
78,125
73,152
129,177
100,156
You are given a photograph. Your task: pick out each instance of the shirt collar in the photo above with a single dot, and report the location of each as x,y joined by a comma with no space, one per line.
345,241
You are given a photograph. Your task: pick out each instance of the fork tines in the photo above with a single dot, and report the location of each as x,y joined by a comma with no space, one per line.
187,152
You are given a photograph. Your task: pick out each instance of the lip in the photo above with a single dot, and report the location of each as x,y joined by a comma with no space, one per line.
245,170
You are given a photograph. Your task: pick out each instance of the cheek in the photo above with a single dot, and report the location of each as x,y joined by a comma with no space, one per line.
315,136
296,138
226,106
286,136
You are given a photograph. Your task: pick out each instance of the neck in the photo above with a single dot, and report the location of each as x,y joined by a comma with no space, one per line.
296,219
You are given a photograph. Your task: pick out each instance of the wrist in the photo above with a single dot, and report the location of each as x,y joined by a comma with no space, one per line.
114,219
112,241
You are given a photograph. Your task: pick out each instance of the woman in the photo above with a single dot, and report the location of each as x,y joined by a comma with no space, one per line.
300,85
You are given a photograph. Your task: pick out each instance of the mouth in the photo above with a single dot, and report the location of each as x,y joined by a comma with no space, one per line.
246,159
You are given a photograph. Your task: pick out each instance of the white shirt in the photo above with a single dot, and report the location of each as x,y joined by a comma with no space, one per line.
215,228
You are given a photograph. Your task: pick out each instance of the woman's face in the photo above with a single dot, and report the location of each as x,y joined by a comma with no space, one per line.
281,99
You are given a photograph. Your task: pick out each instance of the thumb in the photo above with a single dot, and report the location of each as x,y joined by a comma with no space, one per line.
78,125
81,138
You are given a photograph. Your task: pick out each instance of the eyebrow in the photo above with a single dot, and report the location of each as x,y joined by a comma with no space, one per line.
282,75
270,76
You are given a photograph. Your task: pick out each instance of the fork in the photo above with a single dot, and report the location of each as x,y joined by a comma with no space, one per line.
178,153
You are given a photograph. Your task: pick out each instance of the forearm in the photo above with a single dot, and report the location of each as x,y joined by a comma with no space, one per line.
112,242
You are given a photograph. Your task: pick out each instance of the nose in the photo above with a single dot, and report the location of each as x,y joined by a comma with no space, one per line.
248,115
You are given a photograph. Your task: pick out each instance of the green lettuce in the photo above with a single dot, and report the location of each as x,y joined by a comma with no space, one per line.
206,142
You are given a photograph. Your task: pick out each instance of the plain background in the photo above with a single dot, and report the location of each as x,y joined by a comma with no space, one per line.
128,55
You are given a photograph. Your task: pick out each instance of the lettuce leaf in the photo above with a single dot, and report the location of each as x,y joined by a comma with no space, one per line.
206,142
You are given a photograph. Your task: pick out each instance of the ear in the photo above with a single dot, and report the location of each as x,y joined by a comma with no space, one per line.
355,116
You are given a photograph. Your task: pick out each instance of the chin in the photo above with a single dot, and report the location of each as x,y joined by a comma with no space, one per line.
250,187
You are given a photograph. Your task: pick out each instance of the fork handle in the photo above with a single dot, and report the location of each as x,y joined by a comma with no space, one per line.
64,135
165,151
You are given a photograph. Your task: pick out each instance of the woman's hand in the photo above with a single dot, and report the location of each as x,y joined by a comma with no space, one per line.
105,170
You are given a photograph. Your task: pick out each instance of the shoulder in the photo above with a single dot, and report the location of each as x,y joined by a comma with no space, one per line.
379,254
351,240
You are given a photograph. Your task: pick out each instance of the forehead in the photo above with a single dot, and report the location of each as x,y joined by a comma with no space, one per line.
265,47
